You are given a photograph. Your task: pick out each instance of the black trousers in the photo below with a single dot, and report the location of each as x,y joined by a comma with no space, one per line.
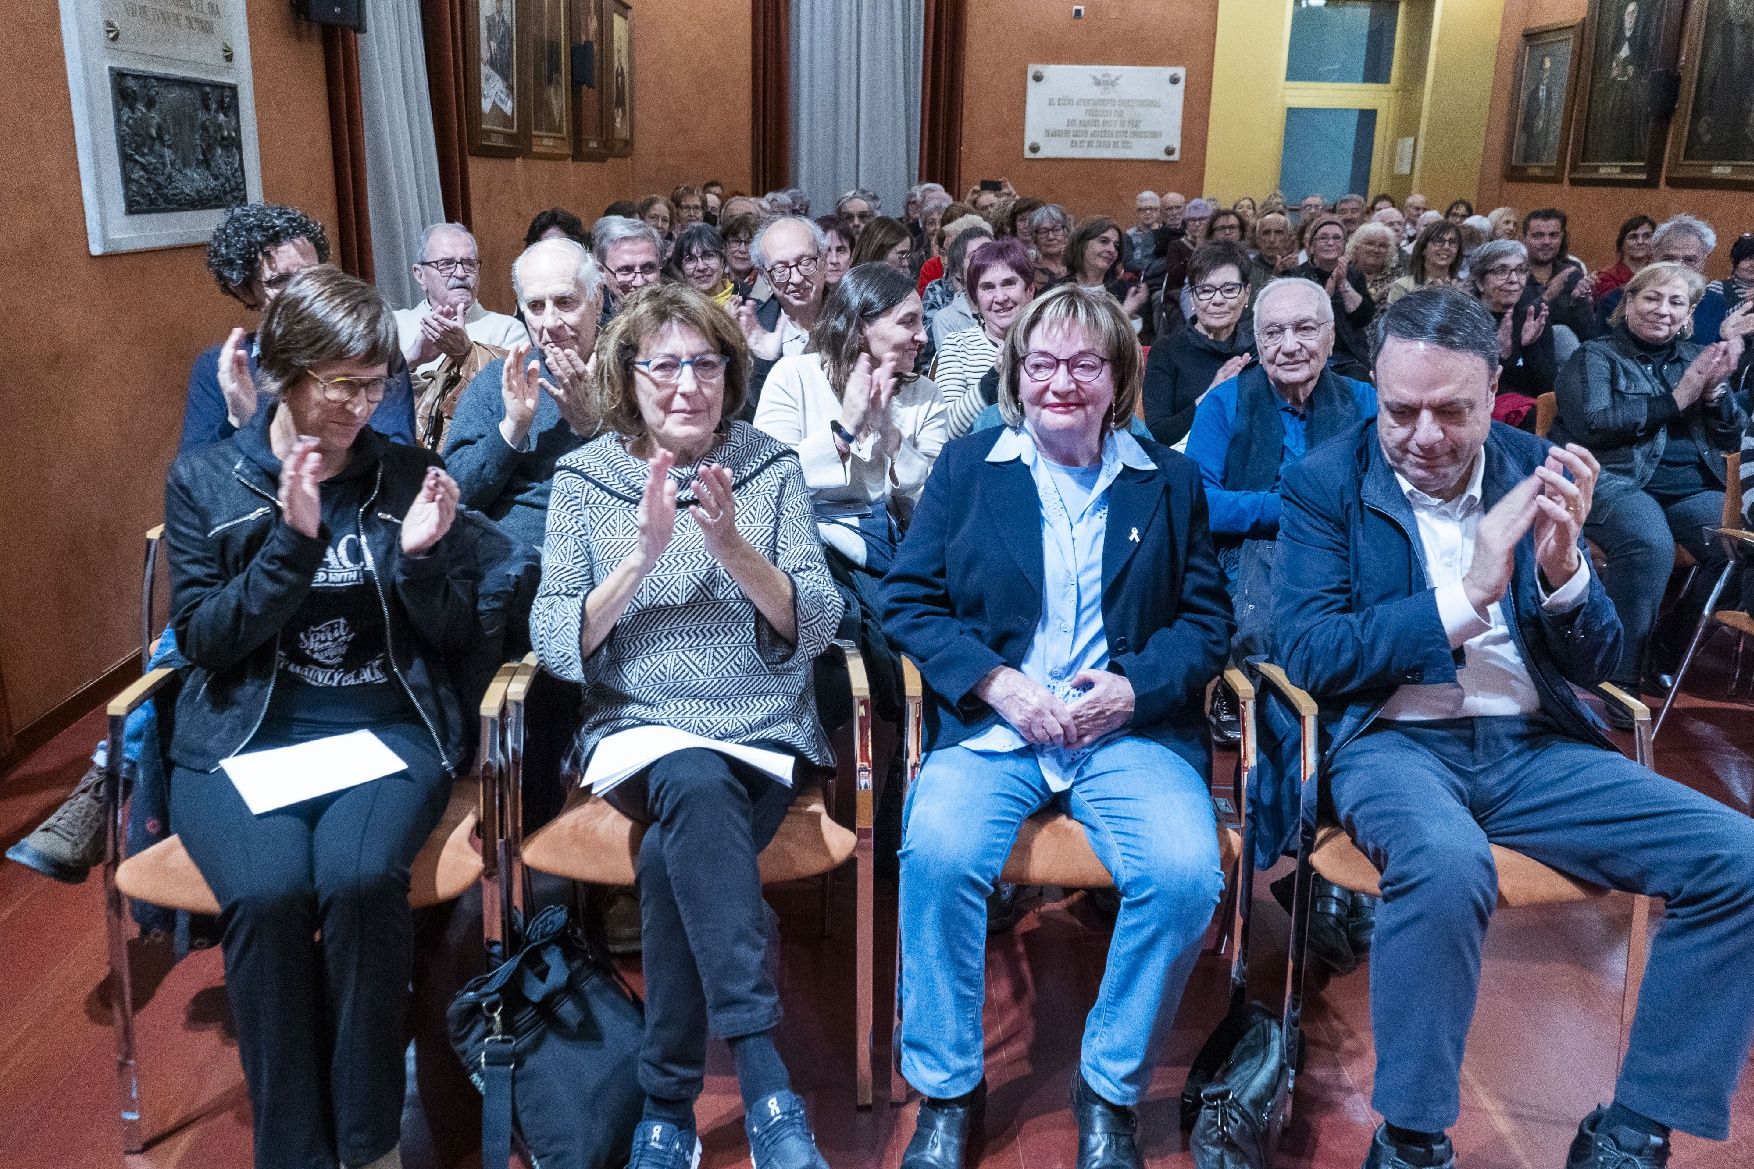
320,1020
705,928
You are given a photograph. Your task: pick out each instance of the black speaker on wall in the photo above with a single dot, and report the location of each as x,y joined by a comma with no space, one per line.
584,65
341,13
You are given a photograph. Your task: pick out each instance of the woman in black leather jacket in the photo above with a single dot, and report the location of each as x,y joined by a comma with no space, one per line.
1659,413
314,593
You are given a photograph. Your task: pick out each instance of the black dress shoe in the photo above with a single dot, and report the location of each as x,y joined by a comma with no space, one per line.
1106,1132
1384,1154
1222,719
1330,921
944,1132
1360,923
1616,1148
1001,908
1615,715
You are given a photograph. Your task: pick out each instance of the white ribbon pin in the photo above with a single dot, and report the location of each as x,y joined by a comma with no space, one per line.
1133,535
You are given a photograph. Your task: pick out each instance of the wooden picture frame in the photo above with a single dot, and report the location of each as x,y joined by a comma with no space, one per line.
1627,44
1539,134
589,142
495,106
1713,140
548,46
616,77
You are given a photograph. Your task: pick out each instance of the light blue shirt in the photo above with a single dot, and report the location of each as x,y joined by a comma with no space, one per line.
1069,636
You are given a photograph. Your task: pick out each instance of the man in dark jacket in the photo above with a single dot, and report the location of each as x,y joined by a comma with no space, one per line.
1437,600
254,251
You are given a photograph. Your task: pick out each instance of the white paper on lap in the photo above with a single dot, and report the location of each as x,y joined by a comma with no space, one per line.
625,752
281,776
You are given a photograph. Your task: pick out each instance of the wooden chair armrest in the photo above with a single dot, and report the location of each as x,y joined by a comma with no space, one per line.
1641,726
864,751
155,533
490,758
1238,681
136,694
1738,535
1295,697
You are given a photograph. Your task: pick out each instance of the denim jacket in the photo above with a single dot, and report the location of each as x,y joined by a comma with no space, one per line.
1617,399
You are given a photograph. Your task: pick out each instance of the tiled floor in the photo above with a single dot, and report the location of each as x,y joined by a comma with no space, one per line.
1540,1055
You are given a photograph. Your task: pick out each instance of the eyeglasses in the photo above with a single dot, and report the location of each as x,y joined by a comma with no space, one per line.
1054,229
446,267
648,270
344,389
804,266
1085,367
738,241
1229,291
1304,331
702,259
667,371
1507,272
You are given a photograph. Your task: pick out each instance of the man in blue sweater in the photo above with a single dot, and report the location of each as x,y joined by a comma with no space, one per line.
519,416
256,249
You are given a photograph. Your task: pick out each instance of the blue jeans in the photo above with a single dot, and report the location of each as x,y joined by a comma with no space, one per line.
1426,800
1150,821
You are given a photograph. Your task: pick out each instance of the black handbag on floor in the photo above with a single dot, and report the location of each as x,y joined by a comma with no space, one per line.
1238,1092
551,1039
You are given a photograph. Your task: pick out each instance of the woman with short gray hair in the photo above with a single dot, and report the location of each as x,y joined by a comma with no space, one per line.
1050,231
1498,276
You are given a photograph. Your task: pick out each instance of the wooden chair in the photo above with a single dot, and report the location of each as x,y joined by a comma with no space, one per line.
165,875
592,842
1325,848
1546,410
1738,545
1053,849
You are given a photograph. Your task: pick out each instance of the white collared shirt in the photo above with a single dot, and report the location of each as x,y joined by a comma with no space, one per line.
1069,634
794,338
1493,679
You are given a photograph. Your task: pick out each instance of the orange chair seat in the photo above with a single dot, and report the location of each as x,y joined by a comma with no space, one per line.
1521,879
1052,849
166,875
591,841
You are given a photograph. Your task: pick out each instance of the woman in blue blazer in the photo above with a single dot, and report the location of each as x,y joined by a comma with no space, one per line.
1059,591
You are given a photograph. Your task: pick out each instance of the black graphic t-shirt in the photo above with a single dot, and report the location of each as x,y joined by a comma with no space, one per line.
337,637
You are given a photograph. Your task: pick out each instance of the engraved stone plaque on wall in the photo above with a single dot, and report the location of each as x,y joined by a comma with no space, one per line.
1104,111
164,118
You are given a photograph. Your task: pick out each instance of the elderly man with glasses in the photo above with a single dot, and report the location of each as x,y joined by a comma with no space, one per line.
521,414
788,252
629,252
448,337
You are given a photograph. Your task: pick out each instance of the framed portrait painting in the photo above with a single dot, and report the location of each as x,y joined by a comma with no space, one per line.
1541,105
590,142
617,79
550,78
1627,44
494,102
1713,142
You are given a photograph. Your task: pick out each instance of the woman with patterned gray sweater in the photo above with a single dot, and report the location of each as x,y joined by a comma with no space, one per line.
706,623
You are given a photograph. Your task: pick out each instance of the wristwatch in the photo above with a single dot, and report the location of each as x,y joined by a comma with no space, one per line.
841,432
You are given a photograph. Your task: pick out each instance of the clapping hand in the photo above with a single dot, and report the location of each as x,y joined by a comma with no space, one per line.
235,382
442,331
656,515
762,343
1230,369
1533,323
1495,544
1137,295
520,386
571,387
1337,278
1561,509
1029,707
431,514
1714,366
865,401
716,511
300,506
1106,706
